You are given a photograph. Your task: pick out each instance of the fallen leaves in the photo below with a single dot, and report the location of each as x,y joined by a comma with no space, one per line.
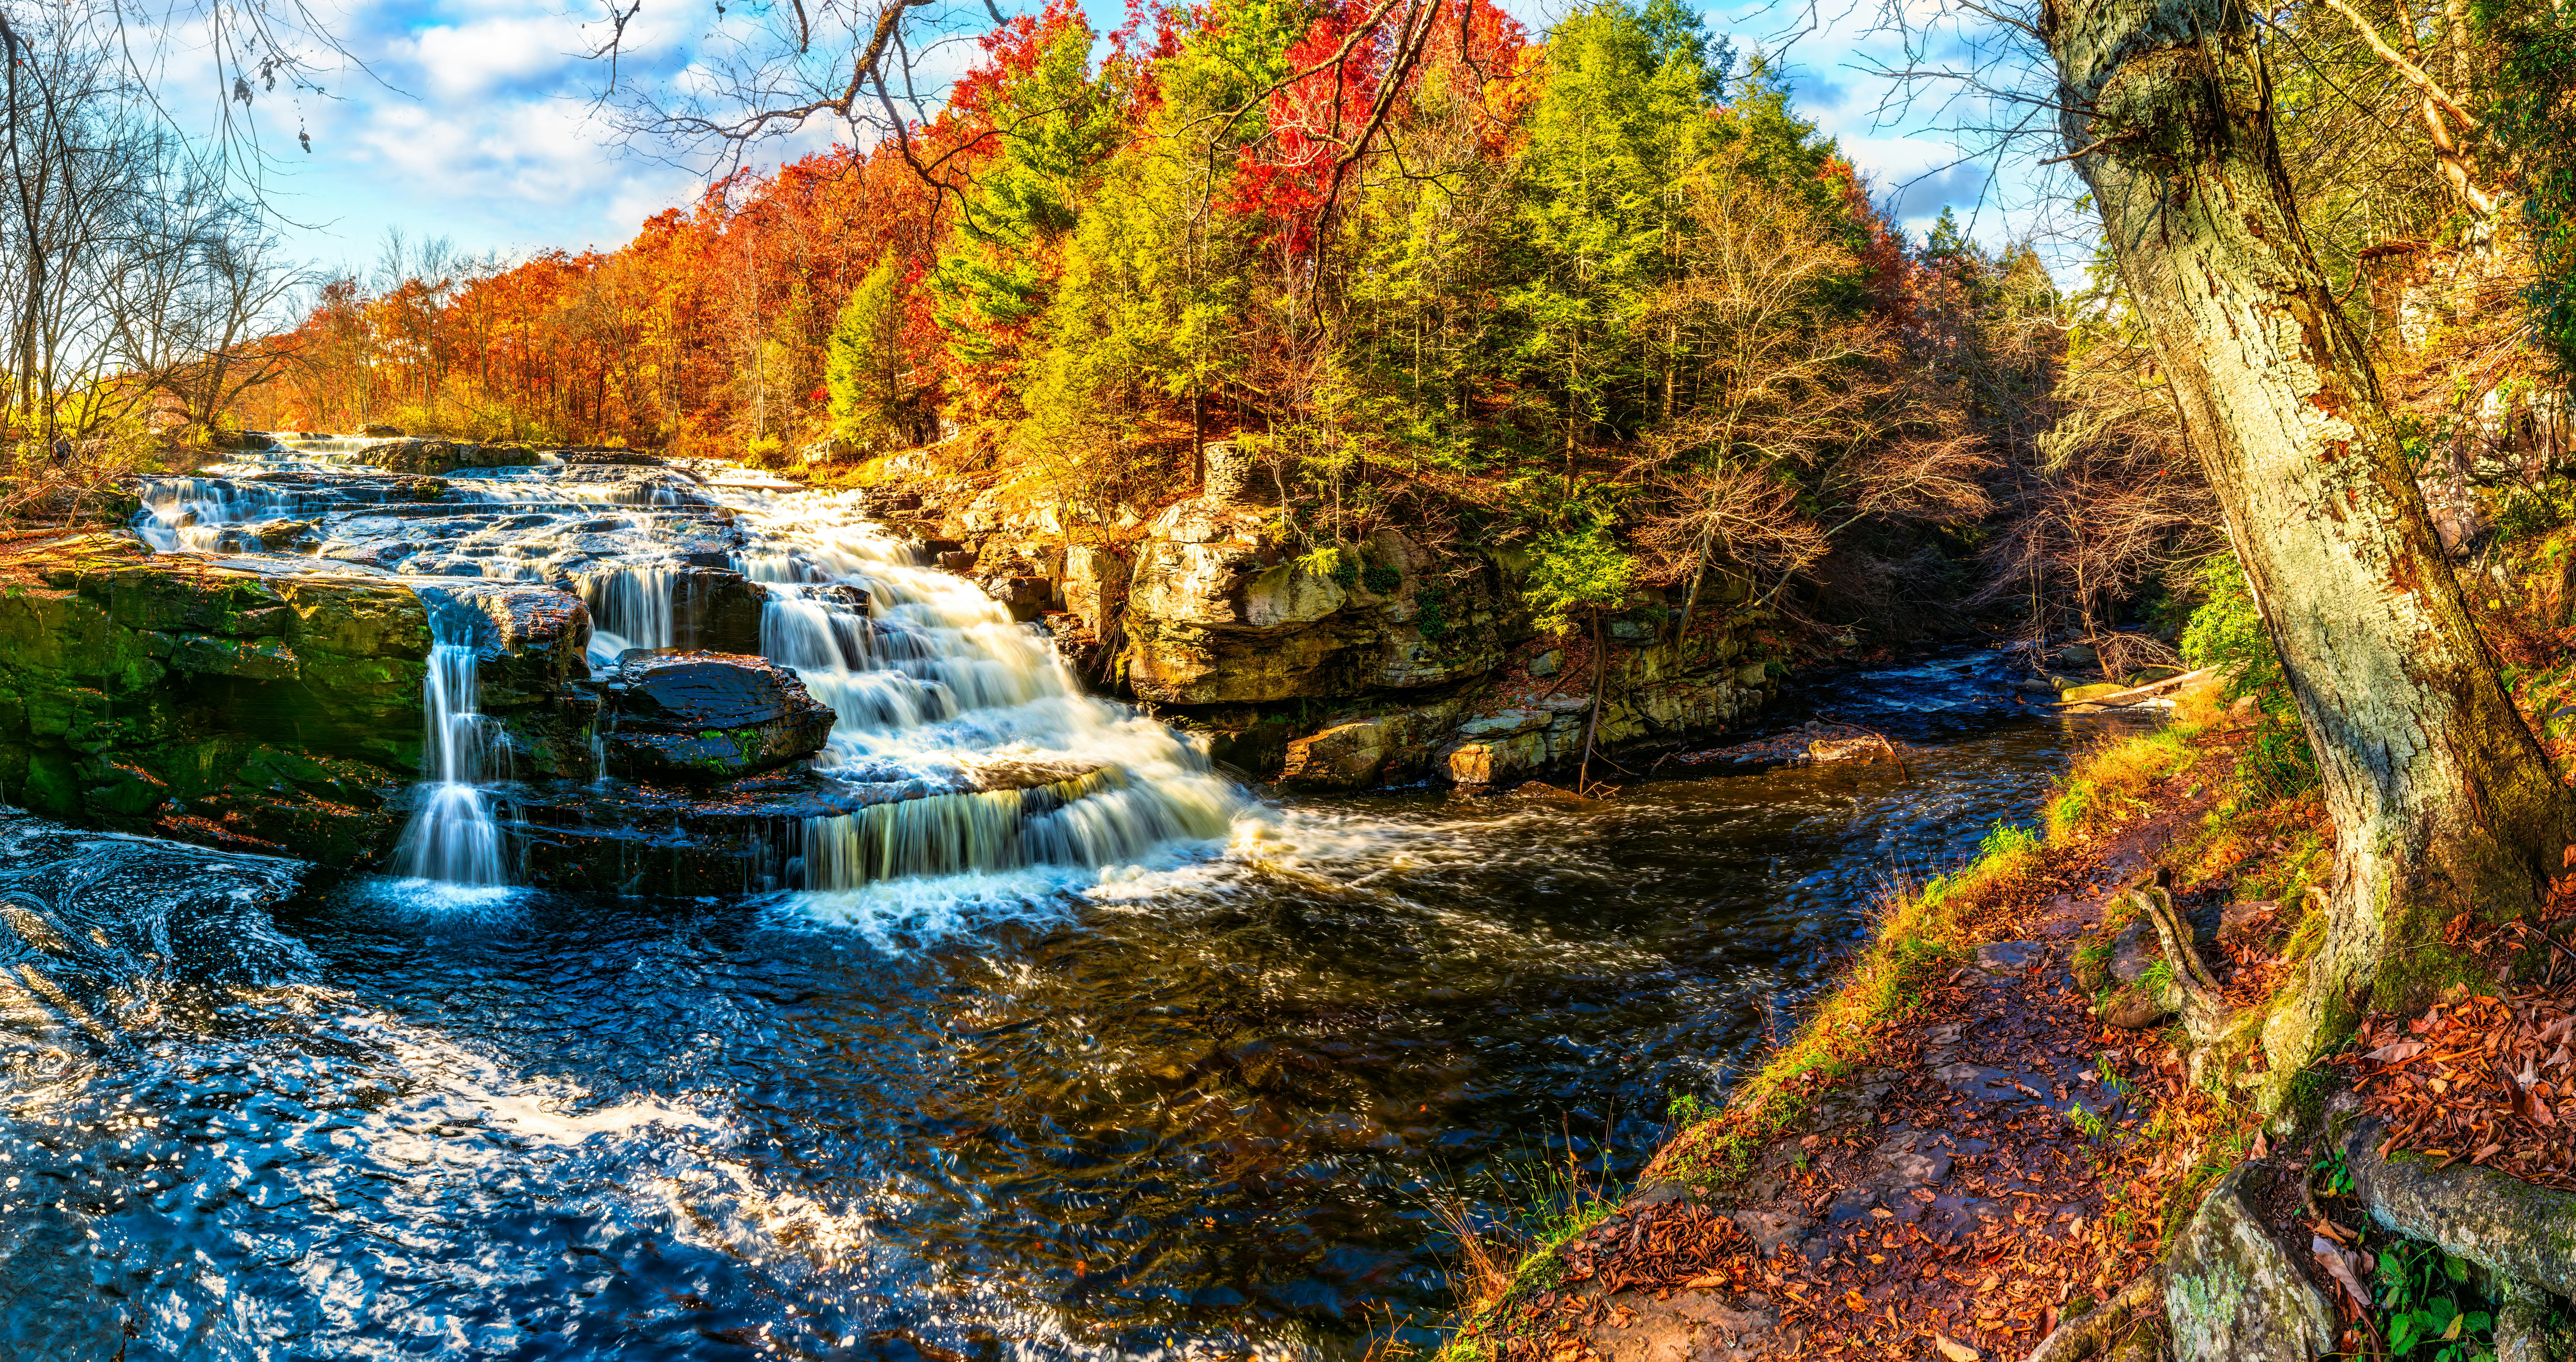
2481,1079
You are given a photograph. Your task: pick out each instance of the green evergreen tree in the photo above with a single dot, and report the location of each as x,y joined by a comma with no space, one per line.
866,368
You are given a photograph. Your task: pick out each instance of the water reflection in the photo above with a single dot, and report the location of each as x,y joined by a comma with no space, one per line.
1189,1107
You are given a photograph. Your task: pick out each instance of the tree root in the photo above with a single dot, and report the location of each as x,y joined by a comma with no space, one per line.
2091,1333
2205,1010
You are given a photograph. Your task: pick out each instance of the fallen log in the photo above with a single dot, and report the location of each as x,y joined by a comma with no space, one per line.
2122,697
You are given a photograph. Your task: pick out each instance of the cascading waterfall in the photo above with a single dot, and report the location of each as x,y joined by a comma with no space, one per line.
630,607
960,739
934,681
193,513
452,837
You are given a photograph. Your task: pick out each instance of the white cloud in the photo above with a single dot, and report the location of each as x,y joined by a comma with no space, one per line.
479,124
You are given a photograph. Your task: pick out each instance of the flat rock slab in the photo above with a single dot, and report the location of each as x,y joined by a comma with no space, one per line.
704,718
1688,1328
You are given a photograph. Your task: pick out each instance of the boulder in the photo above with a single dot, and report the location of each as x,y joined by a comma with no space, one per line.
1363,752
705,718
2235,1291
1219,611
529,639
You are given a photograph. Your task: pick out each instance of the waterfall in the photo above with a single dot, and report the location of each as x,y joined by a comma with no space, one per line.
193,513
452,837
630,607
933,681
960,739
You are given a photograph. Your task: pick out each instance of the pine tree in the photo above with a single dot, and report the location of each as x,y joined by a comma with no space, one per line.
866,367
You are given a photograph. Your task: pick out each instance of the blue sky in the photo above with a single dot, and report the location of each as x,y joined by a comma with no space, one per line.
474,121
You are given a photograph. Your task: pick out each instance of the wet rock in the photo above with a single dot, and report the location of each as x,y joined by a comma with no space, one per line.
2009,957
717,610
530,639
2234,1289
707,717
1025,597
1363,752
2077,655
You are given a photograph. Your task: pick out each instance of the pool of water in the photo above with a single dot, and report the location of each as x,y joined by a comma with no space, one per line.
1201,1106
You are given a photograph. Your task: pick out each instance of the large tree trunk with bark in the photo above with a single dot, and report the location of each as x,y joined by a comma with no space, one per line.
2441,800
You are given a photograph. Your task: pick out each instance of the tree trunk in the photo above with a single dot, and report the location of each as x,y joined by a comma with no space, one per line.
2442,803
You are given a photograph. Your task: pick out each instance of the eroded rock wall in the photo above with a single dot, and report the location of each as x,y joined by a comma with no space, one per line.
1366,664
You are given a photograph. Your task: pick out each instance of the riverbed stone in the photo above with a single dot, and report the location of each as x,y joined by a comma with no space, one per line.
530,639
2235,1291
705,718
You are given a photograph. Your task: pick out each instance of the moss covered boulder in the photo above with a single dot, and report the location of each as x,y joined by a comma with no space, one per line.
171,696
707,718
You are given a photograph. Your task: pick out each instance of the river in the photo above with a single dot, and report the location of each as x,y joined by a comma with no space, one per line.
1195,1095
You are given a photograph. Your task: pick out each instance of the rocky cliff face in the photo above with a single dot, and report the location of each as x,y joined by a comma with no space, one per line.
1368,664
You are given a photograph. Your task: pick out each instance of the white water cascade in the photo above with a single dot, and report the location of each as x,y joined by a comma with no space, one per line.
960,742
630,607
452,837
934,683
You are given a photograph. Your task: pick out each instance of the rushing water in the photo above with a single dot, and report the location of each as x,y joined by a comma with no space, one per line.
452,837
1187,1092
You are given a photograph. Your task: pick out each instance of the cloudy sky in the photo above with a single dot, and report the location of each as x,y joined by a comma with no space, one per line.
477,121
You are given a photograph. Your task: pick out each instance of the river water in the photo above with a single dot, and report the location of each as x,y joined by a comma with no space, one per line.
1188,1095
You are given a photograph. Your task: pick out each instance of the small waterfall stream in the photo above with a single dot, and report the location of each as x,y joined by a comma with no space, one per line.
452,837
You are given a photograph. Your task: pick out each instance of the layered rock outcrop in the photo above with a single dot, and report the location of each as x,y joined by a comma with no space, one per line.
191,700
1346,667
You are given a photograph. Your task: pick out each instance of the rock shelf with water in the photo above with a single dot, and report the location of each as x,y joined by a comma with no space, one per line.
586,668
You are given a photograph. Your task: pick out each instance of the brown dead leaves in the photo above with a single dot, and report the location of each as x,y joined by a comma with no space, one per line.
2490,1080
